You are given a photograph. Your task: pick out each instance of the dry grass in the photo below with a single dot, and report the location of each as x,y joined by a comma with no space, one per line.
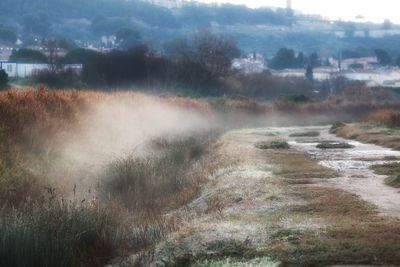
130,215
354,234
381,128
59,233
37,230
169,176
392,170
371,134
386,117
309,224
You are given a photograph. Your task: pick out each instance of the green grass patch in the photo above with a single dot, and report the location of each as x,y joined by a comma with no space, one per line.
330,145
393,181
305,134
335,126
272,145
392,170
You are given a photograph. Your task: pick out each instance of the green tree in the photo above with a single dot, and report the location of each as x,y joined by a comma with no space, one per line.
300,60
284,58
25,55
310,73
80,56
3,79
178,49
383,57
314,61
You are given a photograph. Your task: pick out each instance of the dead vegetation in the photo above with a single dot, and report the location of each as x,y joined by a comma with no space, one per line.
386,117
392,170
44,223
370,133
340,242
380,127
305,223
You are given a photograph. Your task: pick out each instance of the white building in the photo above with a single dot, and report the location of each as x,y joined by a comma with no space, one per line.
372,77
379,77
365,62
254,63
24,70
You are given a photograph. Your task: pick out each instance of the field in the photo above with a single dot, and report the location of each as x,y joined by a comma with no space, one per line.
90,178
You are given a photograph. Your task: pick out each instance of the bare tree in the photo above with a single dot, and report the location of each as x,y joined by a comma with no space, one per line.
214,51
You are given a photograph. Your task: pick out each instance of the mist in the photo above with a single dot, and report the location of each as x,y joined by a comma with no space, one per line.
116,127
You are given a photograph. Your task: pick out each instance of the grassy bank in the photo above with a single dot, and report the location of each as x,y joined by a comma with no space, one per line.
100,175
380,128
276,208
44,221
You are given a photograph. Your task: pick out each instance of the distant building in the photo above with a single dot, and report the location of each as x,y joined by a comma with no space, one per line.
388,77
377,77
5,53
25,70
365,62
254,63
109,41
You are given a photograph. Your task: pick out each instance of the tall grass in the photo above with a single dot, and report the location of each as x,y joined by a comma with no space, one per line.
136,192
58,233
41,230
386,117
161,180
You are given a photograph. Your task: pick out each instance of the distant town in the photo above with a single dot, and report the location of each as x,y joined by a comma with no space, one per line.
364,69
279,41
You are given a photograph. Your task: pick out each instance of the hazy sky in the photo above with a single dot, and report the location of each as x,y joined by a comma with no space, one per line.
372,10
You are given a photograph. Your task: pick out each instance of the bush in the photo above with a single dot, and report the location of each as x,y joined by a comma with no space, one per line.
266,86
58,79
3,79
25,55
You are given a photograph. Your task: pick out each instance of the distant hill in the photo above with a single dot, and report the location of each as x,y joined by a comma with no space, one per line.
264,30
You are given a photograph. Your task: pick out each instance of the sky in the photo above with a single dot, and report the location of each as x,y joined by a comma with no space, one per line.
371,10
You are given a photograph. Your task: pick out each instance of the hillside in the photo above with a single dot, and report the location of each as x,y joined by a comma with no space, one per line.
264,30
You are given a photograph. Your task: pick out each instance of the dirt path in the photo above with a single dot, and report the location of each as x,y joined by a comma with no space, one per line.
353,166
288,207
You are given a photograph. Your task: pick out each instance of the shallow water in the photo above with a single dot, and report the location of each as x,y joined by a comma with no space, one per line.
353,166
